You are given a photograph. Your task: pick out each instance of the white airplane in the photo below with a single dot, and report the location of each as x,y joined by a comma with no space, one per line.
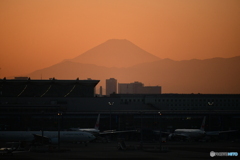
95,131
49,136
195,134
188,133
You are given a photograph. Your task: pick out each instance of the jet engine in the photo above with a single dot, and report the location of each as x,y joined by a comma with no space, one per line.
53,140
171,136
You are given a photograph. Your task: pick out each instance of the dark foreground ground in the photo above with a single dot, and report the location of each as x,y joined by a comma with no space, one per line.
176,150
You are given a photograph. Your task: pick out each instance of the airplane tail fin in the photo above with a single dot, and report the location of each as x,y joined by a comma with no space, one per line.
203,124
97,122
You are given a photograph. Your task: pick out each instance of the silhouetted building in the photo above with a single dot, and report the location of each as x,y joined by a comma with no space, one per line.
151,90
34,104
125,88
100,91
111,86
137,88
21,78
47,88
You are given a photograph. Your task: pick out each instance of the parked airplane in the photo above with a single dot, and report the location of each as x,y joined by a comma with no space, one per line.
95,131
49,136
188,133
195,134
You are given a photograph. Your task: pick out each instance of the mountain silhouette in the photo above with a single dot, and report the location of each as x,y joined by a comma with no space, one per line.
127,63
217,75
115,53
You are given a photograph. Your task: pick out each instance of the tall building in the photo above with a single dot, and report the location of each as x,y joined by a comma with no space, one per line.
111,86
137,88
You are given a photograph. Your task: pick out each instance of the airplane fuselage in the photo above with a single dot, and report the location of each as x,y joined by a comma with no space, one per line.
90,130
192,133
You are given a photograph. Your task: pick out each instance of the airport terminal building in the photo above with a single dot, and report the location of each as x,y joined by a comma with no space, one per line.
36,104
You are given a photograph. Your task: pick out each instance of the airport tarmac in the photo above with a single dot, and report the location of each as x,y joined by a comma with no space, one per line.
94,150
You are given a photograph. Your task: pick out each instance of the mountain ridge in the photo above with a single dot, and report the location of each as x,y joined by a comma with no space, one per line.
204,76
123,60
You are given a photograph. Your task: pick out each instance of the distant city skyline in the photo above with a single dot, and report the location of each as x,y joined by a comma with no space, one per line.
136,87
39,34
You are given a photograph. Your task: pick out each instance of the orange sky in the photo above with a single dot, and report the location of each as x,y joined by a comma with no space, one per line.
35,34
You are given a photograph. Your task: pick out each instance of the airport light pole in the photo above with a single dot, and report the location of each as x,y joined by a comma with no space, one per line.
59,126
42,125
210,104
160,132
110,124
141,143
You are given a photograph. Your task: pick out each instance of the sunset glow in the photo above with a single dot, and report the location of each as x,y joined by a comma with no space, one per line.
39,33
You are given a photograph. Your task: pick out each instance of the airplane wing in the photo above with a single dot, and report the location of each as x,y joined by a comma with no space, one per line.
41,139
114,131
216,133
181,135
178,136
